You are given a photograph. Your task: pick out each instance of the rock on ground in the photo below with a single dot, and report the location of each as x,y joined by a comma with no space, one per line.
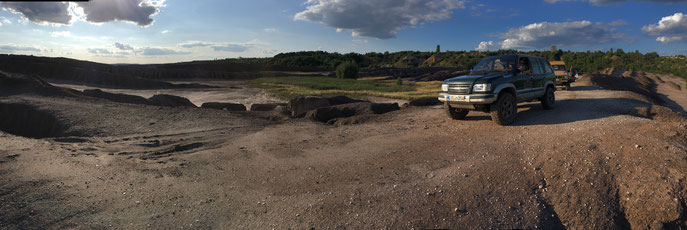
224,106
324,114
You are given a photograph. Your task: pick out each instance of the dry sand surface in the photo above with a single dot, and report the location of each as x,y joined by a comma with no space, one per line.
594,162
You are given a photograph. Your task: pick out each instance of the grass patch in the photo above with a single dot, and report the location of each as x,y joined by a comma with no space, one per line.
290,87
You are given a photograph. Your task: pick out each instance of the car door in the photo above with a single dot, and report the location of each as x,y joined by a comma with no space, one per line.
523,83
538,75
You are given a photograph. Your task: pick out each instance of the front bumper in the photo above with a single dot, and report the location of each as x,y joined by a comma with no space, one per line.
467,99
562,79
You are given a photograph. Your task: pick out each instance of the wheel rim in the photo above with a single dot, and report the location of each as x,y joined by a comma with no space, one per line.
507,109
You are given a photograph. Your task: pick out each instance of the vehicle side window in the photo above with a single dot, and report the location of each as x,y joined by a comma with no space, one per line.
536,66
547,66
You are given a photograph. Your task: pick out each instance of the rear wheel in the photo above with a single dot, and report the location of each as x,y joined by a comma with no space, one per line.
455,113
567,86
505,108
549,98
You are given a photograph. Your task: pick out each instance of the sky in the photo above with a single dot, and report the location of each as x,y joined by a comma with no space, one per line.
164,31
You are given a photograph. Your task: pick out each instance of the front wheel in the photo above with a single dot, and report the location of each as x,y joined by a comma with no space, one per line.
455,113
549,98
505,108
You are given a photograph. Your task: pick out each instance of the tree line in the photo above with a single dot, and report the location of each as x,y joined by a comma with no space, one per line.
589,61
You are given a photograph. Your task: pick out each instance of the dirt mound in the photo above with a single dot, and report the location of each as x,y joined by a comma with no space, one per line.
118,97
615,79
19,84
171,101
27,121
224,106
325,114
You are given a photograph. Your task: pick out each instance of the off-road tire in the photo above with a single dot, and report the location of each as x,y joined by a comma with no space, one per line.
549,99
454,113
504,109
567,86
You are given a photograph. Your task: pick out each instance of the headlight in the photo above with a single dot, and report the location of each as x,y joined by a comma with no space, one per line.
444,87
484,87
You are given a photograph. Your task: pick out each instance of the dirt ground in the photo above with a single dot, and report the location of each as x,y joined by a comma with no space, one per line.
591,163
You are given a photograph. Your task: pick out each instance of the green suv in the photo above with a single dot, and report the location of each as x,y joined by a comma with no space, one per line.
497,84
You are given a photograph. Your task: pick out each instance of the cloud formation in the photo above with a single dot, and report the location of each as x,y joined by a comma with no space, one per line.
378,19
138,12
230,48
606,2
41,12
563,34
148,51
486,46
12,48
226,47
99,51
669,29
123,46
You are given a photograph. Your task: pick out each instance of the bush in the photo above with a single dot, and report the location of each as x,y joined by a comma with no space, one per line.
399,81
347,69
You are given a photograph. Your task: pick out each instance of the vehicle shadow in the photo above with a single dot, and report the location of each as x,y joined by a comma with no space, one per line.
571,110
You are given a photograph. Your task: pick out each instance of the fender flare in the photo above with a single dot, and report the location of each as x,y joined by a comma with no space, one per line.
502,86
550,83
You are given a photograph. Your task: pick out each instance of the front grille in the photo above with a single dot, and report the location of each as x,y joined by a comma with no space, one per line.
459,88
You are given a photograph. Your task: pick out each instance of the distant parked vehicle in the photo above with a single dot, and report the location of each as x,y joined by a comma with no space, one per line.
497,84
563,76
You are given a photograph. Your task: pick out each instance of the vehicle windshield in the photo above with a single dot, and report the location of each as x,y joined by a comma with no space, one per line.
558,67
496,64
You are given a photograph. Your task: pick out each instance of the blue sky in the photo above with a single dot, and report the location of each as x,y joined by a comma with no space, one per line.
160,31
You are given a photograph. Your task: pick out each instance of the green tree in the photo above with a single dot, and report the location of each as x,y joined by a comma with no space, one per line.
347,69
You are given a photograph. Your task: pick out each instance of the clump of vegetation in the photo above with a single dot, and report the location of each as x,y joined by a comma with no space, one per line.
289,87
399,81
347,70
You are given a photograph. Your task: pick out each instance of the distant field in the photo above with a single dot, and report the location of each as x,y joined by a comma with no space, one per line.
289,87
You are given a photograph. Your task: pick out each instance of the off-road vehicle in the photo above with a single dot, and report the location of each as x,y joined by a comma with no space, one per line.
497,84
563,77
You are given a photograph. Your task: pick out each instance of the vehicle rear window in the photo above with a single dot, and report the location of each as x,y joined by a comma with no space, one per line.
536,66
558,67
546,65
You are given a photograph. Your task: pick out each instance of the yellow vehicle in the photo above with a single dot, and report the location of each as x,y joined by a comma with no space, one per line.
563,77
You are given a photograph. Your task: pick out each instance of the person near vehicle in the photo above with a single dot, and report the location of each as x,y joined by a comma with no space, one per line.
523,67
573,72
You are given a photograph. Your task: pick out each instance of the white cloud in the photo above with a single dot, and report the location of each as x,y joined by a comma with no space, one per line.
4,21
99,51
149,51
378,19
237,48
13,48
165,31
270,30
138,12
227,47
360,41
192,44
669,29
487,45
123,46
60,34
563,34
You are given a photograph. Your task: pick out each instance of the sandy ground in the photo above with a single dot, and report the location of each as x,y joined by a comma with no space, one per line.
229,91
587,164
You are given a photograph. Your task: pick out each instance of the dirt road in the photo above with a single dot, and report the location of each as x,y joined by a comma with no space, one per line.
591,163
